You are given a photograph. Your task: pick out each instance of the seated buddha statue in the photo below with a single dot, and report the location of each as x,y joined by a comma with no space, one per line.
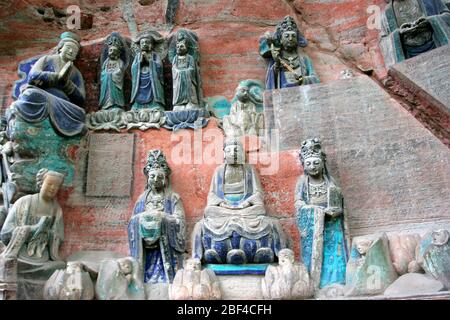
235,228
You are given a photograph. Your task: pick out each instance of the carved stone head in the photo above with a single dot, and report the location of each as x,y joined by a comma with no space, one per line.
440,237
125,265
49,183
363,245
157,170
312,157
233,151
286,257
193,264
243,93
69,46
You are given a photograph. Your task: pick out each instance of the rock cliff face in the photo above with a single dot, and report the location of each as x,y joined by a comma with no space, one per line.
342,35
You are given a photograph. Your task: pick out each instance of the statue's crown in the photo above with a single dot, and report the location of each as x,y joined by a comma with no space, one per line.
311,148
287,24
70,36
114,40
156,161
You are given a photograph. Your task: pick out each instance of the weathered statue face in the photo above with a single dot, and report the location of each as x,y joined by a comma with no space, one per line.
113,53
181,48
156,180
440,237
146,44
314,166
193,264
234,154
243,94
363,246
50,187
289,40
69,51
125,266
286,257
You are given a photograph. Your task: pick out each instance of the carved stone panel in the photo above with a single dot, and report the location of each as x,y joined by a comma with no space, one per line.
110,165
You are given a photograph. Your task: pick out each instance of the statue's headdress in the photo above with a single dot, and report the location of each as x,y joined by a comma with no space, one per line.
289,24
115,40
67,37
156,161
311,148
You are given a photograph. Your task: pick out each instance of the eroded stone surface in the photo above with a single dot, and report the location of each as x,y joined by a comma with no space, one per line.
413,284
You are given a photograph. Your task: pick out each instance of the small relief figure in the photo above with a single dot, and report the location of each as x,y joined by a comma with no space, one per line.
369,270
147,71
193,283
289,66
73,283
321,220
412,27
34,230
114,62
120,279
288,280
55,90
156,232
243,119
236,228
184,55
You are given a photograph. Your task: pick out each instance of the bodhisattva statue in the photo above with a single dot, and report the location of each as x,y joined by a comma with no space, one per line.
156,232
184,55
412,27
34,230
288,280
55,90
243,118
114,63
321,220
236,228
289,66
147,72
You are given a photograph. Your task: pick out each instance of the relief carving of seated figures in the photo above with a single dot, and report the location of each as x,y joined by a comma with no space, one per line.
55,90
236,228
412,27
288,280
289,66
243,118
120,279
193,283
157,231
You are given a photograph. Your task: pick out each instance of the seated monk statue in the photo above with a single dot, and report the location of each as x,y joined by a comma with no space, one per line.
33,229
236,228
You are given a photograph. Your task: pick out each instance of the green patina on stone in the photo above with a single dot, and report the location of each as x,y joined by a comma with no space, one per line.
39,146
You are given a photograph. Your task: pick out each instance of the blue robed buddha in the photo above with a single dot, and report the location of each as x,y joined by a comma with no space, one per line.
236,228
288,66
55,90
157,231
147,73
412,27
320,219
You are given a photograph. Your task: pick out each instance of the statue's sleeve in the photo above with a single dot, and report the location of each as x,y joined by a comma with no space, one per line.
213,199
37,73
312,76
258,194
264,48
57,235
134,77
134,239
12,218
117,76
300,201
176,227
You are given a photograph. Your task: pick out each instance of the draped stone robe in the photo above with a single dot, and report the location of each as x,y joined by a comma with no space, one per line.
186,83
111,91
60,102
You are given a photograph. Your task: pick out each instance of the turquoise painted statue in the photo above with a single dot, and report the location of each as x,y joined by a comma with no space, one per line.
320,219
184,55
412,27
147,72
55,90
288,66
115,62
156,232
34,229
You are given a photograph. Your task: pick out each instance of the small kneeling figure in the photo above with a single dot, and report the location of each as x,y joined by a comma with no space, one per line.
288,280
193,283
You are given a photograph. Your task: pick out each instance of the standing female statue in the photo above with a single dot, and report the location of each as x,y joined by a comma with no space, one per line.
321,220
156,232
